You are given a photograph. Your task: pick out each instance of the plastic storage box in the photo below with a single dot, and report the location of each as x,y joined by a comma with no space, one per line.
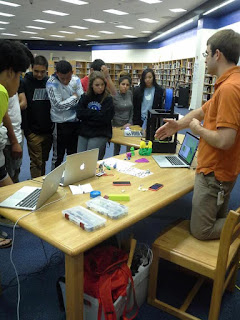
91,304
112,209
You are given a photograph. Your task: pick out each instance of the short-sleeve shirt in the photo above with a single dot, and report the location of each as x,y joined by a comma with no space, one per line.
84,82
223,110
3,101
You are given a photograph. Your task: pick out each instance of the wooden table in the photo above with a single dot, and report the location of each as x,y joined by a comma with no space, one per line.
49,224
119,138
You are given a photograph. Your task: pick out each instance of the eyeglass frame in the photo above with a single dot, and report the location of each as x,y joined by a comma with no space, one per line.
205,54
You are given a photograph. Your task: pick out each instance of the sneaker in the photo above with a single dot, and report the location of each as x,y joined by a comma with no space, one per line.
7,223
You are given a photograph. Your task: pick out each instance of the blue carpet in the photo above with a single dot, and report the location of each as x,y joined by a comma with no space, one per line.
39,266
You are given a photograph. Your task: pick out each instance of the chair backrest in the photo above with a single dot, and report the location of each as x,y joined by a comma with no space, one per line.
229,237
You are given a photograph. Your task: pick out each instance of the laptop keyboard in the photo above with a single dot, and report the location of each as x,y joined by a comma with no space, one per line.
30,201
174,161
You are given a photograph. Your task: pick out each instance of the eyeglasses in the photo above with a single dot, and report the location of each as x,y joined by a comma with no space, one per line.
205,54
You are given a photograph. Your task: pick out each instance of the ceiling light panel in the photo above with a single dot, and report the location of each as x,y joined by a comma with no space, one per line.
78,27
117,12
129,36
2,28
107,32
80,39
6,14
56,35
124,27
146,31
56,13
148,20
37,38
178,10
151,1
33,27
94,20
77,2
10,4
92,36
4,22
30,32
43,21
9,34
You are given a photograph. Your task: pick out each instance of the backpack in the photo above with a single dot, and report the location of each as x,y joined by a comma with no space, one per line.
106,277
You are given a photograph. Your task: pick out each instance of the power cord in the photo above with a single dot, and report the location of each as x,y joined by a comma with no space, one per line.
11,251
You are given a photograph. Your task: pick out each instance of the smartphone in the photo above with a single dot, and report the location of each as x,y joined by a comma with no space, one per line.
121,183
156,186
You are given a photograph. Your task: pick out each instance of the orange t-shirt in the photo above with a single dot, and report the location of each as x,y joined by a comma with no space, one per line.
222,110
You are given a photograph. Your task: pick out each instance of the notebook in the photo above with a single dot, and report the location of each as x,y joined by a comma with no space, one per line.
32,198
185,156
80,166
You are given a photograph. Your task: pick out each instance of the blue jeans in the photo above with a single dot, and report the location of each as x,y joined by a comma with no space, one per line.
85,143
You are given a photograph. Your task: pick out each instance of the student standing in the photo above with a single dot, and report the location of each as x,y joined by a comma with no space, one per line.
219,146
13,160
123,107
13,61
99,65
95,111
64,91
38,125
149,95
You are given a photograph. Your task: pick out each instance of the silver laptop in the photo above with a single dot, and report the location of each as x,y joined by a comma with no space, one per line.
185,156
32,198
80,166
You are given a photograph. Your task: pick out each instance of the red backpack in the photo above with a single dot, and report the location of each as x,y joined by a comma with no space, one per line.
106,277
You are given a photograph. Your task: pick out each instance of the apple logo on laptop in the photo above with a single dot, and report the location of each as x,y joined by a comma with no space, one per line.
82,166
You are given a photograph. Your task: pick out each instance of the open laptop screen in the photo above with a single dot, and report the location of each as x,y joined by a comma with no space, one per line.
188,148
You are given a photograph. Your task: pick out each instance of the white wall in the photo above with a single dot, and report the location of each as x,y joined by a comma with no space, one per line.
64,55
177,50
130,56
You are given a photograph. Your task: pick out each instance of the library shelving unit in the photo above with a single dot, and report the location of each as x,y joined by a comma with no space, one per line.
169,74
208,87
80,68
52,66
175,74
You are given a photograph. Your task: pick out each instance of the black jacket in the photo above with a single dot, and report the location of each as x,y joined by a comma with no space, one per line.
95,117
37,115
137,102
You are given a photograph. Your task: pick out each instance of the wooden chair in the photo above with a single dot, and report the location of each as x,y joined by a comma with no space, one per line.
211,259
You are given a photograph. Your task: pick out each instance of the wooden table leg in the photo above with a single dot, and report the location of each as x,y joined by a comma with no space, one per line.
74,273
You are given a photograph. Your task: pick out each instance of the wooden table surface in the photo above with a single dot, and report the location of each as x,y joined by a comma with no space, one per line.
119,138
49,224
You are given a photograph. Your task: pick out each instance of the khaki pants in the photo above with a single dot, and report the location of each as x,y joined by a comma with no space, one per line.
207,218
12,165
39,147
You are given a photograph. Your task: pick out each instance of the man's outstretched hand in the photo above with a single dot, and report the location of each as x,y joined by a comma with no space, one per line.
168,129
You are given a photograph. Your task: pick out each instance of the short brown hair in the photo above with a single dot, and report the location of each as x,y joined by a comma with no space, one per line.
228,42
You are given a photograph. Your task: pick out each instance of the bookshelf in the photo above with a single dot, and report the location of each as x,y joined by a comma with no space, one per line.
208,87
174,74
169,74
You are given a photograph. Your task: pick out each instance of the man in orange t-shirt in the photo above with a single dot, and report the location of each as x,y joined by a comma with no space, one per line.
219,146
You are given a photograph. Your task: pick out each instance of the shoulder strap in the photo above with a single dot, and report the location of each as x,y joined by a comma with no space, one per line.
135,305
